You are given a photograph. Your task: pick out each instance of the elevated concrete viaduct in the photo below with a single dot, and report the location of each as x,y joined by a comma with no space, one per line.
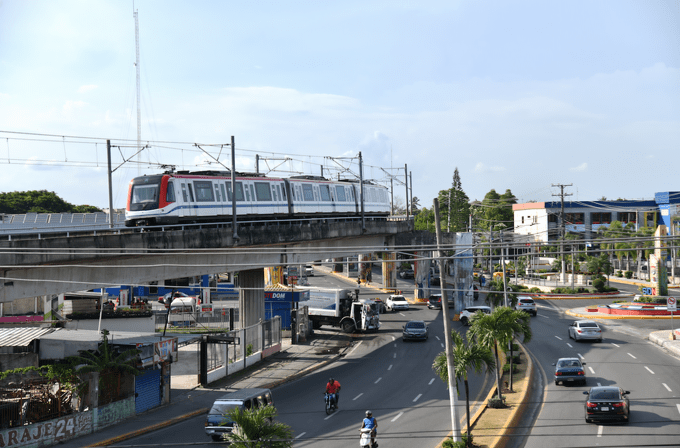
34,267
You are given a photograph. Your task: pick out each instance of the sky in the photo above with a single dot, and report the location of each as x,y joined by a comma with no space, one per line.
518,95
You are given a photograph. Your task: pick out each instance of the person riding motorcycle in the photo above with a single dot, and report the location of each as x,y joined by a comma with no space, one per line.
371,423
333,388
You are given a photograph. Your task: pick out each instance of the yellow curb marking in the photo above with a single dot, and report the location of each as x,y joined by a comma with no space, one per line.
148,429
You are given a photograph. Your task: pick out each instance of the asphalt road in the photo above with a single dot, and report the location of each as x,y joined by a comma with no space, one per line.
392,378
625,359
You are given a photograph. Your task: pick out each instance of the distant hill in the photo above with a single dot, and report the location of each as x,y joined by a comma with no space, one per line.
43,201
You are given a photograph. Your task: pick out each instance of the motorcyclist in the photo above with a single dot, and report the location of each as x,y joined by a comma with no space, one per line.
333,388
371,423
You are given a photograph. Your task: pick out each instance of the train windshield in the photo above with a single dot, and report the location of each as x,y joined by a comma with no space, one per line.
144,197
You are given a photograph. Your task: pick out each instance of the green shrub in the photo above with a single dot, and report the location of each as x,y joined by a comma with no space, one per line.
628,274
496,403
535,289
449,443
599,284
619,274
506,368
619,301
515,359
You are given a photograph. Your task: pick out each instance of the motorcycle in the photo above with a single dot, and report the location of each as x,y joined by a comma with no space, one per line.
330,403
365,439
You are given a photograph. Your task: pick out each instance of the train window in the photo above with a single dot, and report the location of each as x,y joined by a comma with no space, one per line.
247,193
191,193
204,191
307,191
184,192
274,196
263,191
239,191
144,194
325,193
170,194
252,191
283,192
217,193
224,194
340,193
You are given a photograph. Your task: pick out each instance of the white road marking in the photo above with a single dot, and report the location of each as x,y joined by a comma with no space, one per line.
357,396
390,367
632,356
394,355
355,347
678,405
395,345
580,356
650,370
432,381
330,416
438,338
442,344
599,430
403,314
398,415
667,388
591,370
300,435
558,338
544,317
378,380
416,399
570,346
393,338
616,345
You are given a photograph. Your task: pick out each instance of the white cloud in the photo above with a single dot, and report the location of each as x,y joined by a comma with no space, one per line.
87,88
70,106
581,167
481,168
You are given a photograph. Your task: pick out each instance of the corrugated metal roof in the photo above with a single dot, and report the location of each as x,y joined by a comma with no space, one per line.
22,336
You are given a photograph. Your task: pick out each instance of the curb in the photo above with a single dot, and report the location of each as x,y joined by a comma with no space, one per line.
612,317
519,410
148,429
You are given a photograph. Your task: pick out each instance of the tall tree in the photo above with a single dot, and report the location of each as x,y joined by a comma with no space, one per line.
41,201
454,206
470,356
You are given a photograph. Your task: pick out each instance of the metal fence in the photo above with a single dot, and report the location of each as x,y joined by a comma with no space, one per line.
35,401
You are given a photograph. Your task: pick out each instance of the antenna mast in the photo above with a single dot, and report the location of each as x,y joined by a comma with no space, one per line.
139,116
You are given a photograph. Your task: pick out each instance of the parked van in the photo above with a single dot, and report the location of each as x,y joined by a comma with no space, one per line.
217,424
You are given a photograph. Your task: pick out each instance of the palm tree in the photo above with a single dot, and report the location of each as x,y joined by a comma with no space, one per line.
465,357
256,428
109,363
499,328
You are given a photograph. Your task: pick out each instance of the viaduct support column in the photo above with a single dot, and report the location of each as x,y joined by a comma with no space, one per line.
251,297
389,266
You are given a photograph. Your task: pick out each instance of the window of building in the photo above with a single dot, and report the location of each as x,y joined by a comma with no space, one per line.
552,217
626,217
522,219
574,218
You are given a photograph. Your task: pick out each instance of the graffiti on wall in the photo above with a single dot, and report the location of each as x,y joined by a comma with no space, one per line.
49,432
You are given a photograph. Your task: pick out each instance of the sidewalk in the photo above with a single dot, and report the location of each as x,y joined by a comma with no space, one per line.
292,362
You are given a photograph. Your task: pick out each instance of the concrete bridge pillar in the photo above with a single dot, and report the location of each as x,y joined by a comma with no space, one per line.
251,297
389,265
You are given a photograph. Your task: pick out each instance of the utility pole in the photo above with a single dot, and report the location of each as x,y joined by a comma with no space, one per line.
108,159
234,227
361,189
562,229
139,116
406,185
410,187
448,348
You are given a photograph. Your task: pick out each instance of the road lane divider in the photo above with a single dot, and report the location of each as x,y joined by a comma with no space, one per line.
398,415
650,370
667,388
632,356
417,397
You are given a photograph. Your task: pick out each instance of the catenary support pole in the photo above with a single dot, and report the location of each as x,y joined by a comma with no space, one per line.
108,159
233,192
453,396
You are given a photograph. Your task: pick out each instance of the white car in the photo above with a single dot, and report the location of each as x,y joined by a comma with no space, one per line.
585,329
396,302
527,304
467,313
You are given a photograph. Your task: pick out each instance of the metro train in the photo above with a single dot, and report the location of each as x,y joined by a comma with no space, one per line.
204,196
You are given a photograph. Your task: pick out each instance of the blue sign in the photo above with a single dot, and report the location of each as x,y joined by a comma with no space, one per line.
647,291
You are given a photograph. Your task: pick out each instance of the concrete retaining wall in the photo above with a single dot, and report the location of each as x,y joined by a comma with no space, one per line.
138,324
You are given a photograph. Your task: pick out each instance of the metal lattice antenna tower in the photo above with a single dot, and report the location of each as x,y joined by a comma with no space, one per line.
139,116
